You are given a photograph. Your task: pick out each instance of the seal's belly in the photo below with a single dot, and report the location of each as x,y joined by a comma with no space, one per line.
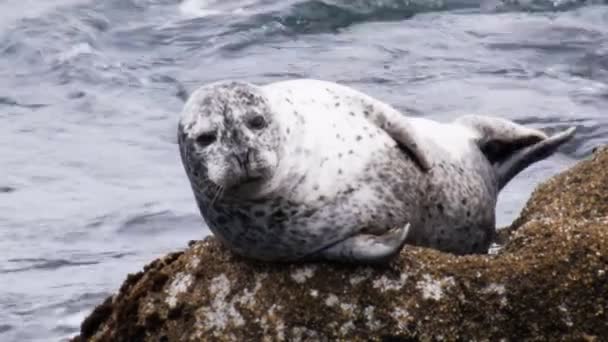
344,150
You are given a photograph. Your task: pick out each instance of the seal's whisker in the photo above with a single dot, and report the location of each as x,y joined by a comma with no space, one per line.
218,194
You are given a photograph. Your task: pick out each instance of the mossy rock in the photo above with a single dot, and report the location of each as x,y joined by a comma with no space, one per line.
549,282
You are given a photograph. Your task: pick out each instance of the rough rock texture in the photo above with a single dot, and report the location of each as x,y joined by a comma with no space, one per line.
549,282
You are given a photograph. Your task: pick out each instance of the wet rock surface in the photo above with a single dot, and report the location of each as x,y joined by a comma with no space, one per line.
548,282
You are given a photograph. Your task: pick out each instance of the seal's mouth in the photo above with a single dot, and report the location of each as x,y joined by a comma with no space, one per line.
246,184
251,180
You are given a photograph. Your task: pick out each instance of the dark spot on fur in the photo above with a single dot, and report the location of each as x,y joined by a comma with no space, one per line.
259,213
221,219
321,198
464,201
468,213
288,131
351,113
309,213
359,138
279,215
440,207
302,180
337,104
349,191
316,187
339,155
351,152
251,240
242,216
339,171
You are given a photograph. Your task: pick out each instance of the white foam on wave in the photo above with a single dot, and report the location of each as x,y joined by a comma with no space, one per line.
198,8
206,8
76,51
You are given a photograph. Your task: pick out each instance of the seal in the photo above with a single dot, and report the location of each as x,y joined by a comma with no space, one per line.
312,170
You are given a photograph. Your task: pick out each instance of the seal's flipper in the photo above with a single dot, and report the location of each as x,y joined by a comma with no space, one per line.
404,134
511,147
401,130
531,154
367,248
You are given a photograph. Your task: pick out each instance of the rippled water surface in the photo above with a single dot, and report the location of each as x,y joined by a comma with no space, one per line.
91,185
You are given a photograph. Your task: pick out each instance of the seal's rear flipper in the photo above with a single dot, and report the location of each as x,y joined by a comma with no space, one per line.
531,154
511,147
367,248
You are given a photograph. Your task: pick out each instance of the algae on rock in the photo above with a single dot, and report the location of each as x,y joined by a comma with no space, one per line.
549,282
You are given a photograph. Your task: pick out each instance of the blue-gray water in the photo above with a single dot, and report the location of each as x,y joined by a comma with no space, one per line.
91,185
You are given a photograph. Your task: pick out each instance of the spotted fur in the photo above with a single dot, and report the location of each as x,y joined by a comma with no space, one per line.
334,173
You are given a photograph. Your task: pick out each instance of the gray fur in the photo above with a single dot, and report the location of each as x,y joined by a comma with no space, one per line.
335,174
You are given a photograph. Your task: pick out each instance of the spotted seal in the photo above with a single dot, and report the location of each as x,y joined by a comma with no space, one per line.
312,170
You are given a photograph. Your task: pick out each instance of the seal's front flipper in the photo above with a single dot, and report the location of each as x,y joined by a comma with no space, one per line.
367,248
402,131
399,127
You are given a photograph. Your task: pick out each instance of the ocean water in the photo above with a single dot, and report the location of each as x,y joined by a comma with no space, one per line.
91,185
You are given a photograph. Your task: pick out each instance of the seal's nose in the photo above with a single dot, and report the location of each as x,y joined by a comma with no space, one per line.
244,159
249,156
239,159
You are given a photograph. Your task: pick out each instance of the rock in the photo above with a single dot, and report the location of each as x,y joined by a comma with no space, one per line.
549,282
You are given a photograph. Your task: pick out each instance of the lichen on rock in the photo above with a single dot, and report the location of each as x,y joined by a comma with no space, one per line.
548,282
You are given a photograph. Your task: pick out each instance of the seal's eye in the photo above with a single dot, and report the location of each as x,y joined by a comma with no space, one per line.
206,139
257,122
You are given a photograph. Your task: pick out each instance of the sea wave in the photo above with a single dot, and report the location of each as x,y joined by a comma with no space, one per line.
315,16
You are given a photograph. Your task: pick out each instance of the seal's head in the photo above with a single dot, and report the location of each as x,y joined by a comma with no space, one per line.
511,147
229,139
